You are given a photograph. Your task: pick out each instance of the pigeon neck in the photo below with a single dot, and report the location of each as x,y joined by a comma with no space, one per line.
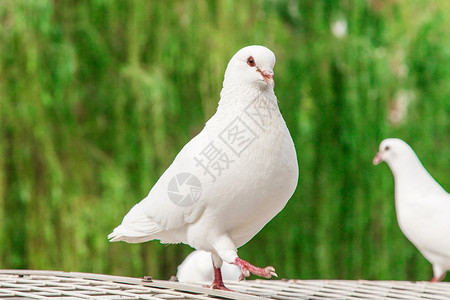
240,96
411,173
406,166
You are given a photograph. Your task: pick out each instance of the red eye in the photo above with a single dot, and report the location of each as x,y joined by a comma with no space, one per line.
251,61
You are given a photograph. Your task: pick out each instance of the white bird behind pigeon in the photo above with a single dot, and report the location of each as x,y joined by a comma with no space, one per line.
422,205
231,179
197,267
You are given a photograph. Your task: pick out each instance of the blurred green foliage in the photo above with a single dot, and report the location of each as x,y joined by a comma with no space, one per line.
97,98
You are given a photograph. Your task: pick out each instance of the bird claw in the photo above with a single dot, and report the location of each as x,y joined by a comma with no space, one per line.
245,273
248,268
218,286
270,271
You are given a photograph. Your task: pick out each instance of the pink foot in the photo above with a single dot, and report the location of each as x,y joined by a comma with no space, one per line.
219,286
434,279
218,282
248,268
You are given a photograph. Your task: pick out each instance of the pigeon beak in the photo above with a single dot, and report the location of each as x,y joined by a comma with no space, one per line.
267,76
377,159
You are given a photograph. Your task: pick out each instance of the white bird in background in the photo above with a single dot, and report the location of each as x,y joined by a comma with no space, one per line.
422,205
197,267
231,179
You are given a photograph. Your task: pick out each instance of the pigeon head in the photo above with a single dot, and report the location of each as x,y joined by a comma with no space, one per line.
393,152
253,66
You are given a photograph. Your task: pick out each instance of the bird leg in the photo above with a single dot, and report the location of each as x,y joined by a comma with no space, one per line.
248,268
437,279
218,282
438,273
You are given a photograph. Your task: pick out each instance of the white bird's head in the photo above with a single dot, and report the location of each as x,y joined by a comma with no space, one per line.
393,151
252,65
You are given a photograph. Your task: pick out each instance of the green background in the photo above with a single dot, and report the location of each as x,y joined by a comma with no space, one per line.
97,97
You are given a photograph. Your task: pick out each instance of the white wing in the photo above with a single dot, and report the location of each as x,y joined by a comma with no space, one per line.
174,201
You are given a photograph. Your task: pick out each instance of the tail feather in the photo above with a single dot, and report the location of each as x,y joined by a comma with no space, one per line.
136,227
130,235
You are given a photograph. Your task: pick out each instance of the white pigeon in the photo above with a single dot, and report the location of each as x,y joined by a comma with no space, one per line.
422,205
231,179
197,267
